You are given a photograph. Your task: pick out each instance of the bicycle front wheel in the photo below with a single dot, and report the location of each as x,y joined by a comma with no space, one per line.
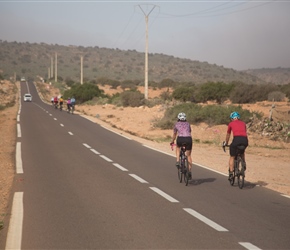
241,176
186,174
180,172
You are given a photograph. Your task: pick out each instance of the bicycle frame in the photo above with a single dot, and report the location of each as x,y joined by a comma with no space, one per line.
239,166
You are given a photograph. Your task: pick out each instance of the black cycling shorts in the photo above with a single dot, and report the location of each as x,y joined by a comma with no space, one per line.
187,140
237,141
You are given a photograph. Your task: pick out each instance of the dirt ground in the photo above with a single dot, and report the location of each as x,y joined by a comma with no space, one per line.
268,162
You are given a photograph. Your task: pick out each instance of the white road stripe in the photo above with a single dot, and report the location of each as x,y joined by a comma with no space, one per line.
61,125
287,196
249,246
18,118
50,114
54,119
95,151
164,195
120,167
18,130
70,133
14,235
205,220
86,145
136,177
106,158
19,168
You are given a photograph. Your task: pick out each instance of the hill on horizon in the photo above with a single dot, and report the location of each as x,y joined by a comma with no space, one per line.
32,59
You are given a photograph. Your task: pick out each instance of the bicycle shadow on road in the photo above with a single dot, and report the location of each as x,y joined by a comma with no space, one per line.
201,181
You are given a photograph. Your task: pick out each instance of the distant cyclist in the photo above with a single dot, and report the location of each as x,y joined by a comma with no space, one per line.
240,137
60,102
182,131
52,101
73,102
68,104
55,100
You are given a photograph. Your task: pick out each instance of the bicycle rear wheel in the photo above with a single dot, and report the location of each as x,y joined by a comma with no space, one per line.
241,176
186,174
233,177
180,172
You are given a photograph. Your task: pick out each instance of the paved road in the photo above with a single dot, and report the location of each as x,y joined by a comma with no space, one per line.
85,187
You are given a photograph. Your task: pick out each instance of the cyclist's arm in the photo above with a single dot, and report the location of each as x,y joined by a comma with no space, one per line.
174,136
228,138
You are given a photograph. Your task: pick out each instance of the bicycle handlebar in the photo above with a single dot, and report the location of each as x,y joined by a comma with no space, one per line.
224,145
172,146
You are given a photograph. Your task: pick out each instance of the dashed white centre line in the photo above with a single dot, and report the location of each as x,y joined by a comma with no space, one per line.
86,145
106,158
164,195
54,119
95,151
138,178
70,133
249,246
205,220
61,125
120,167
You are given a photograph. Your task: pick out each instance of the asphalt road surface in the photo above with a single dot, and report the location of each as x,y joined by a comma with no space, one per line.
81,186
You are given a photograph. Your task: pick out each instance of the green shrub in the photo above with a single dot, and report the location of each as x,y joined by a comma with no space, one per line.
277,96
132,98
210,114
83,92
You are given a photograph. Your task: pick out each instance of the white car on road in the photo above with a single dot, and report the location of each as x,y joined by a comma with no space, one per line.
27,97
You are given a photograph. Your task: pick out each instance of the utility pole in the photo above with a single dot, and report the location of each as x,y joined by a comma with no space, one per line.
51,67
48,73
146,50
81,69
55,67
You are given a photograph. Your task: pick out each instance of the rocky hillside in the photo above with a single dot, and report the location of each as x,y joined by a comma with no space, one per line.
31,60
279,76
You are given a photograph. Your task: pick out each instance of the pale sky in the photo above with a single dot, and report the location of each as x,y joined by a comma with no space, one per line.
234,34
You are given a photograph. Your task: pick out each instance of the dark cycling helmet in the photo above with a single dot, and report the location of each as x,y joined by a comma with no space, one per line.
235,115
181,116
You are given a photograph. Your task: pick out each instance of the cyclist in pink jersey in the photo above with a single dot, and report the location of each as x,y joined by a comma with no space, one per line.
182,131
240,137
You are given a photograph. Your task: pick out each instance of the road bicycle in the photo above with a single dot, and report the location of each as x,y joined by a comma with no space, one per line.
183,168
60,106
239,166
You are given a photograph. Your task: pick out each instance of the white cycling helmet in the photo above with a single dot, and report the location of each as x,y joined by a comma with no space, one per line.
181,116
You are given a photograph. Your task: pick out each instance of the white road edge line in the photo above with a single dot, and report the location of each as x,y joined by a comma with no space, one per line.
18,130
249,246
95,151
120,167
164,195
194,163
14,235
106,158
287,196
19,167
86,145
205,220
116,132
136,177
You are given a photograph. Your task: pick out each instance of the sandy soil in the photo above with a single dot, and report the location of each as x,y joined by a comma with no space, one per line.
268,162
